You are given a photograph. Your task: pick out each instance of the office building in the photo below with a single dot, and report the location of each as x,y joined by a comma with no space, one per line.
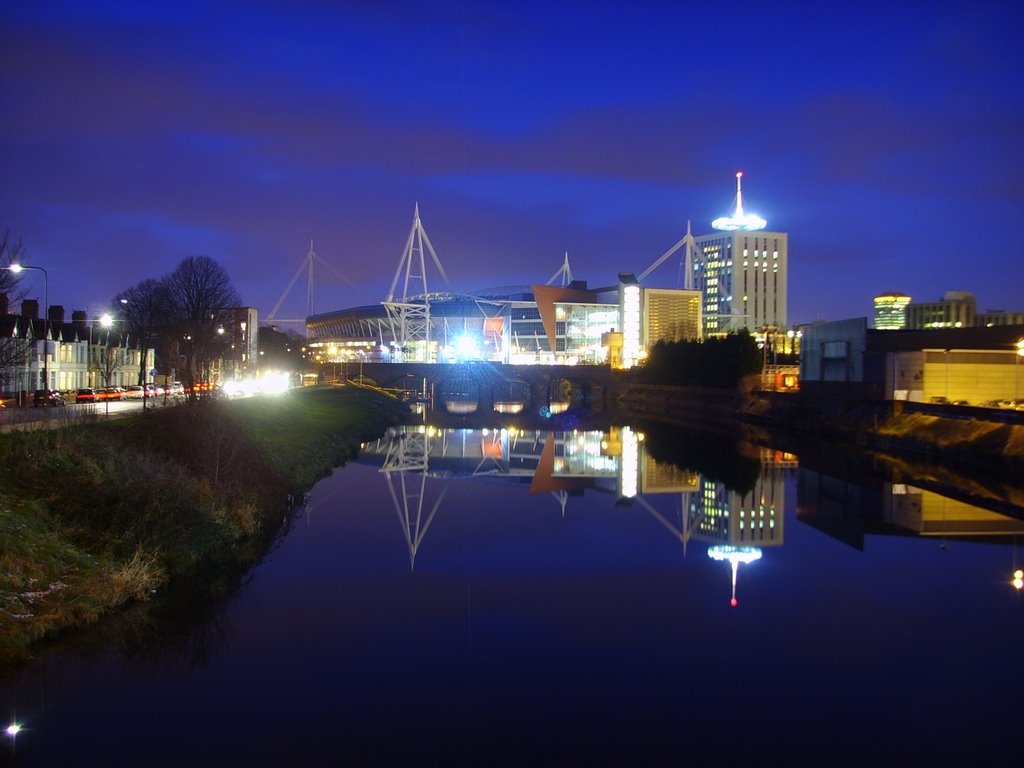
890,311
956,309
741,271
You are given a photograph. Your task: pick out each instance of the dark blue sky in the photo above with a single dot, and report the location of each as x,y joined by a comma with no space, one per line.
885,138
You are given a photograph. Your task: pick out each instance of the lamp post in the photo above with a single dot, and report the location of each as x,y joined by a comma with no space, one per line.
1016,372
16,269
106,320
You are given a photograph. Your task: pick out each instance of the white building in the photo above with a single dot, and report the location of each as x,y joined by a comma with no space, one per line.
742,272
48,353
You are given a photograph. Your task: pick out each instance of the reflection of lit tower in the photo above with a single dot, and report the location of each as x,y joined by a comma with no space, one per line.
407,457
629,463
735,556
738,524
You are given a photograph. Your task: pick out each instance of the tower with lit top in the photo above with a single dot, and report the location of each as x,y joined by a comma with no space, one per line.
741,271
891,311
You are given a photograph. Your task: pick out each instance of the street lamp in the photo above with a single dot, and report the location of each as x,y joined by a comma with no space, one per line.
16,269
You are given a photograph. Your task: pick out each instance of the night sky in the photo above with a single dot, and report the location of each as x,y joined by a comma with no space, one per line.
885,138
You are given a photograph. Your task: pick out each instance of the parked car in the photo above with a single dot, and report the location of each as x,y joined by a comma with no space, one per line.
43,397
111,393
134,392
86,396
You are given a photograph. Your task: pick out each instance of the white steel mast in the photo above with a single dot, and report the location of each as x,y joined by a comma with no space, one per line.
409,313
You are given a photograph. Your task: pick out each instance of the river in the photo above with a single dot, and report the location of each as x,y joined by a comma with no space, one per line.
523,596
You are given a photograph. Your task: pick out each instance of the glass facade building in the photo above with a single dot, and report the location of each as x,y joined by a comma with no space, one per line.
539,325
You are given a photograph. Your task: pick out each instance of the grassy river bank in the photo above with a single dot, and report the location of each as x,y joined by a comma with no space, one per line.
97,515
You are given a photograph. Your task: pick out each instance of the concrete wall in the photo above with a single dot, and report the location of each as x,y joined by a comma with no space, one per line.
833,352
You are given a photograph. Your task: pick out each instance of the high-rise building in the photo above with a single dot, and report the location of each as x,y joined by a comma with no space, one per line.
890,311
741,271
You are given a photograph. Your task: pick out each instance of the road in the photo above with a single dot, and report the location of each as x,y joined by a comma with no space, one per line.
28,417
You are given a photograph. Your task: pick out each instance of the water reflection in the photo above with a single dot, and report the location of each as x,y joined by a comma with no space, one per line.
557,585
737,524
734,524
850,511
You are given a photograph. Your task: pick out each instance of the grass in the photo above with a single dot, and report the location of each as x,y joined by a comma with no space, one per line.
96,515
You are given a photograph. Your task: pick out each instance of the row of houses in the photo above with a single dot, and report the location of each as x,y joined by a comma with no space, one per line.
51,353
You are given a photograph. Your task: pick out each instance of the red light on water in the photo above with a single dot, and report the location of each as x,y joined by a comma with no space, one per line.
734,602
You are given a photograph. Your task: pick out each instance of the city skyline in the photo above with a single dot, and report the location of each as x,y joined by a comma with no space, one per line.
139,136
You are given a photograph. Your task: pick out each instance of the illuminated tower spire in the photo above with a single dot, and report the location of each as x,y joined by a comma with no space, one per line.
739,220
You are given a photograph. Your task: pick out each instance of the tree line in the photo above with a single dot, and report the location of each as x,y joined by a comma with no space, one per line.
182,315
718,362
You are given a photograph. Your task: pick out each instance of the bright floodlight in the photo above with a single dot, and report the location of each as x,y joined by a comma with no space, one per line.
275,383
739,220
13,730
467,348
15,268
107,320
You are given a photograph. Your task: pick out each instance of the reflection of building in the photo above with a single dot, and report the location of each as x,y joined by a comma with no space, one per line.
850,510
740,525
754,518
560,463
931,514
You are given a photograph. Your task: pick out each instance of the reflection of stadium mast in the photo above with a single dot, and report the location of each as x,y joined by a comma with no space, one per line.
407,453
735,556
690,520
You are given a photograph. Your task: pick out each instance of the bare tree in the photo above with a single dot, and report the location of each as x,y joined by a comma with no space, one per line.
199,297
15,348
109,362
14,355
143,310
11,252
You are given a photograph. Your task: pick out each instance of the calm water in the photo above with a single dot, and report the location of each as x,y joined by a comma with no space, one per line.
485,597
